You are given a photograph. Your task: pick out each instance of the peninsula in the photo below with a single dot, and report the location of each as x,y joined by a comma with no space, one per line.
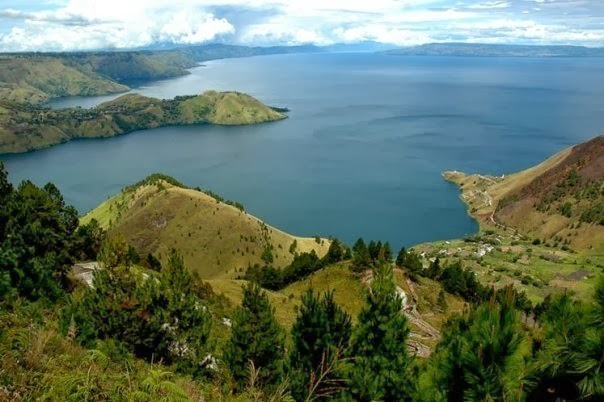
25,127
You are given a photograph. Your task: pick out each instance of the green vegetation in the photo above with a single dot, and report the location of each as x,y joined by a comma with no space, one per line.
146,329
301,267
25,128
371,255
39,240
216,238
256,343
319,336
381,364
35,78
156,316
560,200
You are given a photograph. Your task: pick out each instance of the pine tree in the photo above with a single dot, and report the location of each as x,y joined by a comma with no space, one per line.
570,356
158,317
479,357
37,232
361,258
381,364
401,257
335,253
387,252
320,335
257,338
434,271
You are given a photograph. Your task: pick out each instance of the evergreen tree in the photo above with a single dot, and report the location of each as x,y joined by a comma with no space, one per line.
320,335
374,249
434,271
88,240
387,252
570,356
37,240
479,357
335,253
401,257
381,364
257,338
361,259
157,318
358,245
6,191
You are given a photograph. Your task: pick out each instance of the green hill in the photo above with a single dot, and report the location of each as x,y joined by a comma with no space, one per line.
217,238
24,127
560,201
37,77
541,228
183,332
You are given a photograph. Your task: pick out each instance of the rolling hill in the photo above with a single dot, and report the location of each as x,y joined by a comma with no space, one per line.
217,238
24,127
559,202
35,78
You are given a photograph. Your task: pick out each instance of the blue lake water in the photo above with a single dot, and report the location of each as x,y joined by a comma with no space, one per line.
363,149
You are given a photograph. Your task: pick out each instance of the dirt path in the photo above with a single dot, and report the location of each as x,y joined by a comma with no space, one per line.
421,330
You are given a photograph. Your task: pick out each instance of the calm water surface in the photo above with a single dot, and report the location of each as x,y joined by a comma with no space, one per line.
364,146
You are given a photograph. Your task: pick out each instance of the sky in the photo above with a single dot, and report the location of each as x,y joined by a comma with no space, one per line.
64,25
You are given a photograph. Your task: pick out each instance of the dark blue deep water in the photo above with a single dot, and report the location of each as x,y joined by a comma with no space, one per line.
364,146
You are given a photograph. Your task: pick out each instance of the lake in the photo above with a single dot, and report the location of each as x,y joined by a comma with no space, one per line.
362,152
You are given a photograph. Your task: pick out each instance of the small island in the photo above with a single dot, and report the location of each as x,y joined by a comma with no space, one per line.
26,127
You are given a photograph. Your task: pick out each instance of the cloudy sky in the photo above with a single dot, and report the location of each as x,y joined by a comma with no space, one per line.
50,25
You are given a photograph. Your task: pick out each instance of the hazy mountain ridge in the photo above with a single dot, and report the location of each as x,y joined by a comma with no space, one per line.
37,77
496,50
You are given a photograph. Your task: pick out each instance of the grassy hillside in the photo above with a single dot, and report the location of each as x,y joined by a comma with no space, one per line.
541,228
216,239
25,127
560,201
499,259
425,316
35,79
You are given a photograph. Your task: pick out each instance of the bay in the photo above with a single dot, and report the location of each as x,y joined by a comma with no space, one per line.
363,149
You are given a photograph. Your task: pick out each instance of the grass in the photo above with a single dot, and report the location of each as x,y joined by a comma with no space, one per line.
537,269
37,79
25,128
349,292
507,204
228,108
216,239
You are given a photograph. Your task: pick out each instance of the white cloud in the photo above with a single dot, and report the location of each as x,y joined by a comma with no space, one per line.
82,24
93,24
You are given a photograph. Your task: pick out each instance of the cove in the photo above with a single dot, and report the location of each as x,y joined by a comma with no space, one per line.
361,153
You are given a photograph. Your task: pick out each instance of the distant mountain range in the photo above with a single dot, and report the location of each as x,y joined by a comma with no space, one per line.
488,50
